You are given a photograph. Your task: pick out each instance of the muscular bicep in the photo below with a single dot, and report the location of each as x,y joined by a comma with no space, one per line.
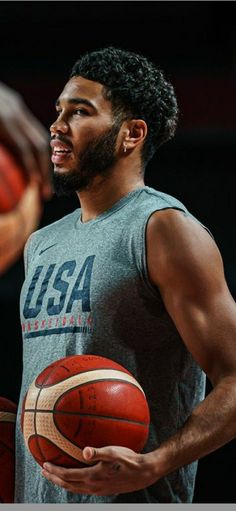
185,263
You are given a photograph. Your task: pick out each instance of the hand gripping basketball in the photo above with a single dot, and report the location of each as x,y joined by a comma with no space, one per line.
79,401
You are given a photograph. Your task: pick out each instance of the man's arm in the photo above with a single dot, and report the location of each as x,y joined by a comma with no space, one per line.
185,264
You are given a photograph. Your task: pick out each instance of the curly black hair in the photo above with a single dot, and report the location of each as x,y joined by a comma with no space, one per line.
136,88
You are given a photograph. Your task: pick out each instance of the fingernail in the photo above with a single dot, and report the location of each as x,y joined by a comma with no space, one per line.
88,453
91,452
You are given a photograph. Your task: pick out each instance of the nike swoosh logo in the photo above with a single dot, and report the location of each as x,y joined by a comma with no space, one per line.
44,250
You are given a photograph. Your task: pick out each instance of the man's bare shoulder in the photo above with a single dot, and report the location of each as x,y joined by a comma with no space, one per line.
177,228
178,245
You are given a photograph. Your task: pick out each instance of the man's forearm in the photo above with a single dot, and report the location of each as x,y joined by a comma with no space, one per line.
211,425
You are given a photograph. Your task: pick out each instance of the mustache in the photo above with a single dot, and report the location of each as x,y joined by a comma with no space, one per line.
62,138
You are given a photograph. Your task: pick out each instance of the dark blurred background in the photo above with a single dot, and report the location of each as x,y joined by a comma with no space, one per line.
195,44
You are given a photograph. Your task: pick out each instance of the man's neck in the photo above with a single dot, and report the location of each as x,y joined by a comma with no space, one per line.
104,192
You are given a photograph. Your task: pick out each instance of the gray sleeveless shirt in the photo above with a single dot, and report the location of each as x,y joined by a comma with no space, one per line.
87,291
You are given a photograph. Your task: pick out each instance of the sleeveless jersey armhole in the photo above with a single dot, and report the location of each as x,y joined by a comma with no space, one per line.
143,247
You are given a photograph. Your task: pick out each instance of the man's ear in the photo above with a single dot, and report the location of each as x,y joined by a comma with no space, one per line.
135,134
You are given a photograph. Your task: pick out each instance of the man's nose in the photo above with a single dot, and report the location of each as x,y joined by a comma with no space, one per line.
59,125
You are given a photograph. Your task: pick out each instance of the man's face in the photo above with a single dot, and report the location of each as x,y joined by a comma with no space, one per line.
83,136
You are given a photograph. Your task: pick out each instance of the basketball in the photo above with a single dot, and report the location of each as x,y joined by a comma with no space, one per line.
79,401
12,181
7,449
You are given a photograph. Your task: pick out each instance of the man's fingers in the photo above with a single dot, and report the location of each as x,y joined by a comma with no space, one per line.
89,453
68,480
74,475
103,454
57,480
39,141
26,138
74,487
21,149
67,474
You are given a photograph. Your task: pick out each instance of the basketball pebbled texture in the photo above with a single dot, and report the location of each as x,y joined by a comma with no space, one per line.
12,181
8,411
83,400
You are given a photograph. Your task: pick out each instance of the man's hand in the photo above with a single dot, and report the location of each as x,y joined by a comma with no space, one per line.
117,470
26,138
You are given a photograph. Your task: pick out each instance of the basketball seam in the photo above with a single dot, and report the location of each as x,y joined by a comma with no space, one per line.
58,456
81,414
97,382
7,417
81,372
35,422
7,422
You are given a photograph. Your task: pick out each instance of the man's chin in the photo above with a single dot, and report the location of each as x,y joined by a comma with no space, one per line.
67,182
60,169
62,192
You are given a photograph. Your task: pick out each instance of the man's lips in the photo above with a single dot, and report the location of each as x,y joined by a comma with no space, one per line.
60,151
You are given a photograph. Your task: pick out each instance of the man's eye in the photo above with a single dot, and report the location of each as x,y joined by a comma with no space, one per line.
81,111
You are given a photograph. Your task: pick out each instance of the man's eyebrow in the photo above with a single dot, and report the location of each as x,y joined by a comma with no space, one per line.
76,101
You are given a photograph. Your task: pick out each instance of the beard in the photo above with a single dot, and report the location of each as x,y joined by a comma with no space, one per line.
96,159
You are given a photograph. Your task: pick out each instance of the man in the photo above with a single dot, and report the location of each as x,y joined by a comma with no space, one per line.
27,140
143,274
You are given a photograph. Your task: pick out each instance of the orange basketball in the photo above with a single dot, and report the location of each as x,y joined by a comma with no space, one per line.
7,449
12,181
79,401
